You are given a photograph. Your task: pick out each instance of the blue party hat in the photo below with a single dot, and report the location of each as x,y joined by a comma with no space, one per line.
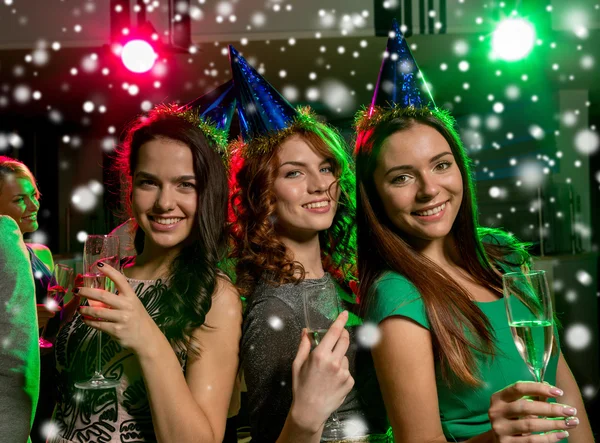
401,89
216,107
262,110
400,82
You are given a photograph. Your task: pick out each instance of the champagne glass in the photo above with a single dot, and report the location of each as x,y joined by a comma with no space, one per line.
58,286
530,317
99,249
321,308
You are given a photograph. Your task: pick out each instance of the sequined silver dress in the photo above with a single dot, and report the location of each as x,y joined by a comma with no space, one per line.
273,323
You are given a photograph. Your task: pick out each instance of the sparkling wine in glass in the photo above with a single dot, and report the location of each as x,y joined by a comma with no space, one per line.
321,308
98,281
530,317
99,249
60,283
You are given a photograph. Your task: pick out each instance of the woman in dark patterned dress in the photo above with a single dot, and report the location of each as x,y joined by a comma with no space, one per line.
171,335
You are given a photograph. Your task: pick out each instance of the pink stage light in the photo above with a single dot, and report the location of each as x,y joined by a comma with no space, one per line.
138,56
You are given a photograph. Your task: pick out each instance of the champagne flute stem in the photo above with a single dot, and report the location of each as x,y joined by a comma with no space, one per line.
537,377
43,331
99,355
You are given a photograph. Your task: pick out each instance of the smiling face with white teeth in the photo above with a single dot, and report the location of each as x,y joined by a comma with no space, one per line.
19,200
305,189
419,183
164,198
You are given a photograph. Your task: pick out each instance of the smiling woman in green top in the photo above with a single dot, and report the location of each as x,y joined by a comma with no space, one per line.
431,279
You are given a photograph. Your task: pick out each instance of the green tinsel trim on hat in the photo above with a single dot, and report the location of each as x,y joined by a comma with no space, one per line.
380,115
218,136
305,119
207,126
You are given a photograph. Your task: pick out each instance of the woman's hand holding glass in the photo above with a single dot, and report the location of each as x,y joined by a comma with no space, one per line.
321,378
520,411
515,416
60,283
123,317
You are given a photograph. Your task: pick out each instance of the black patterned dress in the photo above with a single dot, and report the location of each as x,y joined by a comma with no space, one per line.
120,414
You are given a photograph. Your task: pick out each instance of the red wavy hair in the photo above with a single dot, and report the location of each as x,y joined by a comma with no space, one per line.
258,252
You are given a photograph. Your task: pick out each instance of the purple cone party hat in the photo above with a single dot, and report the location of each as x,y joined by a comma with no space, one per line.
213,112
400,84
216,106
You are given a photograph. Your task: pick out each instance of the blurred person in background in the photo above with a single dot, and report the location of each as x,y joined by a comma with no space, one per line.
19,353
19,199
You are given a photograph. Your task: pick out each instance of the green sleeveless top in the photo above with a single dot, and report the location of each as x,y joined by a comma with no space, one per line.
463,409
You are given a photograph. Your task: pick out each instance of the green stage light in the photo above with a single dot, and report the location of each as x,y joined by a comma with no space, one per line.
513,39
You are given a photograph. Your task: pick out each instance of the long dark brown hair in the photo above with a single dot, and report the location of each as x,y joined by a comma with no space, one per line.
258,252
382,247
193,274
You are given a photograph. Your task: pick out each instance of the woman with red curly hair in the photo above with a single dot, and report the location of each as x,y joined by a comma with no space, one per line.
293,201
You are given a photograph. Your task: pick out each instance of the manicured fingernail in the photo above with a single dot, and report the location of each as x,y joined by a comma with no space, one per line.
561,435
556,391
571,422
76,291
100,264
569,411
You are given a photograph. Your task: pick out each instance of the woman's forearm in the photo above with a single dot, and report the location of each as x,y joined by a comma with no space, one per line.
295,432
176,416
